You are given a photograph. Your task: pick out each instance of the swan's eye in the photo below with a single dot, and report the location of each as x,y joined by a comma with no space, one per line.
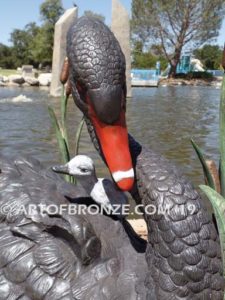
83,170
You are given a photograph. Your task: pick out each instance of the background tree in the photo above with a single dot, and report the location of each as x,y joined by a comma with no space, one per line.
50,11
147,59
210,56
175,24
6,57
22,45
90,13
42,45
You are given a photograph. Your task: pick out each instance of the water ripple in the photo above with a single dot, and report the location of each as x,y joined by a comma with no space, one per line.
164,119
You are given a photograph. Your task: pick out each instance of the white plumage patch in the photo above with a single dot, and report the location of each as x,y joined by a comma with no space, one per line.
119,175
99,195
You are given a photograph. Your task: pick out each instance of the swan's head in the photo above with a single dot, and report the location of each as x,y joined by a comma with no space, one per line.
97,76
81,166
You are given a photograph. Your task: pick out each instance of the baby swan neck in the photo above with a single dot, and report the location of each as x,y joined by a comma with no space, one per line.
87,182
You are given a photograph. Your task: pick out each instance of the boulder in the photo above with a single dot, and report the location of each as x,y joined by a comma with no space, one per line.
25,84
11,83
16,79
5,79
31,81
45,79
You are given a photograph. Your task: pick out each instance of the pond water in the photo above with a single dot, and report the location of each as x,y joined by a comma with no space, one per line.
163,118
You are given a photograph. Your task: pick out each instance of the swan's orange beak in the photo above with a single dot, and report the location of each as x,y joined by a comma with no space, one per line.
115,147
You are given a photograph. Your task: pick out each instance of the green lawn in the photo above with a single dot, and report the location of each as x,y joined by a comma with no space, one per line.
7,72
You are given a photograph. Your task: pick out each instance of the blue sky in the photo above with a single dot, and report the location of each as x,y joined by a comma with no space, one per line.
17,13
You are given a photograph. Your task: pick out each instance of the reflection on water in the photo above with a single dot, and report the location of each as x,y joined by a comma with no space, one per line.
164,119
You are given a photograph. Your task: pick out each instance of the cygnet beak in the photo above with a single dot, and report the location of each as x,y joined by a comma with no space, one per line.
62,169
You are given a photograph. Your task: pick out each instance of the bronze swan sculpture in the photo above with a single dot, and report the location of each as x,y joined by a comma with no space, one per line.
62,256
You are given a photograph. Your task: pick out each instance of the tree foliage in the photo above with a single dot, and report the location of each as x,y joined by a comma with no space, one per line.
90,13
50,11
175,24
147,59
42,48
6,57
22,45
210,56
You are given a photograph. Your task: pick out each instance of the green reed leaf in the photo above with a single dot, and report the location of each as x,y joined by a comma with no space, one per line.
60,135
205,168
78,135
222,138
218,204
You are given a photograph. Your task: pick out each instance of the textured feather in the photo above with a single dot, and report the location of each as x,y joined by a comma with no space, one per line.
56,257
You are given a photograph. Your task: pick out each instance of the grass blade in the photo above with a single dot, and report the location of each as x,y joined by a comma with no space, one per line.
78,135
59,134
218,204
222,138
63,146
206,170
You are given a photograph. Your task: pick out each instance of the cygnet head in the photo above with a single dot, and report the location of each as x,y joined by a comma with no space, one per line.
80,166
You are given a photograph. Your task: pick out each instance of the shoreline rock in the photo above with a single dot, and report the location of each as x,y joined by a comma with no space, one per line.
18,79
32,81
215,82
44,79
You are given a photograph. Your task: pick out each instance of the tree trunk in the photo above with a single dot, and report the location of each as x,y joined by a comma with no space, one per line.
175,60
173,69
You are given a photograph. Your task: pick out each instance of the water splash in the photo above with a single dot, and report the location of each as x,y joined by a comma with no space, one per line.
18,99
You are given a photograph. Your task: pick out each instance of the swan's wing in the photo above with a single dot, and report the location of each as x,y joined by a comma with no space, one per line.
33,270
58,265
61,256
29,166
